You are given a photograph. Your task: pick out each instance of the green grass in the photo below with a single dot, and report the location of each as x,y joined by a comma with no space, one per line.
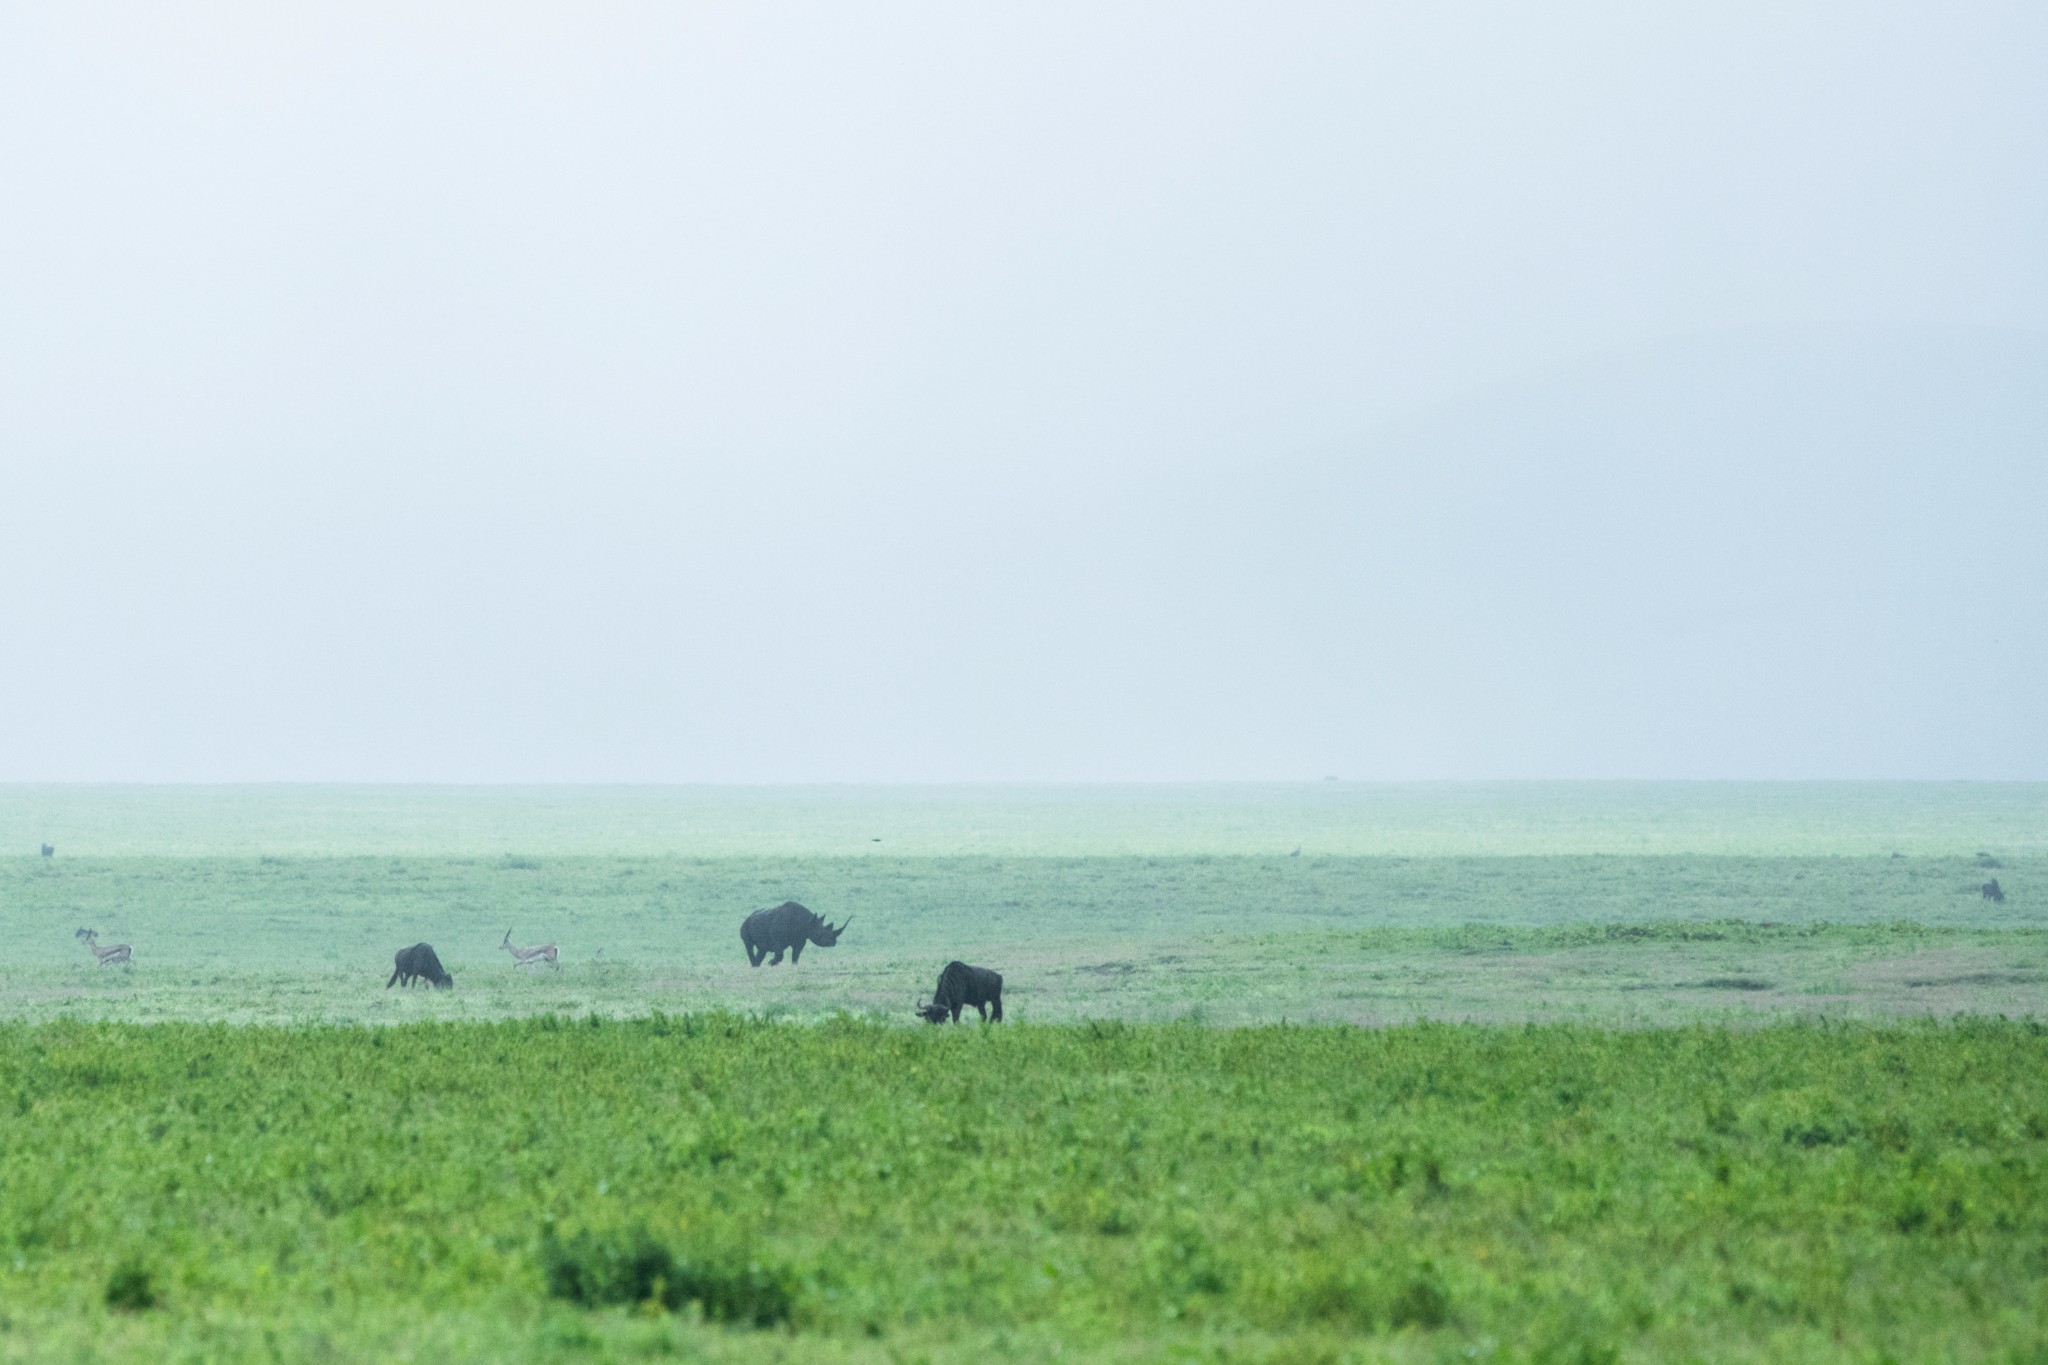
1107,1191
1711,1076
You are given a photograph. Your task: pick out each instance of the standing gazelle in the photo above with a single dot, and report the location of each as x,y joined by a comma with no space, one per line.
527,957
119,952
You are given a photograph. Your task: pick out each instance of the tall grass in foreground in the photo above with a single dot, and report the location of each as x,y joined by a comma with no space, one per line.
715,1185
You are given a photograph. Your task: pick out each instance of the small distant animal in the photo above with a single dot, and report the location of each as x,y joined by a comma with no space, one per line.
109,955
1991,891
418,963
1296,853
529,957
49,850
786,928
1897,855
960,986
1986,860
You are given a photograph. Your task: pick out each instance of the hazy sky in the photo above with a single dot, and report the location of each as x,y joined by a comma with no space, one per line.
868,392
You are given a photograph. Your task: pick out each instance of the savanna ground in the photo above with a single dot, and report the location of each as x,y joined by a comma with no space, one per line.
1673,1072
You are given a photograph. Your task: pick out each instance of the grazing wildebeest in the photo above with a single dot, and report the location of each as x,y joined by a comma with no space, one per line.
528,957
786,928
418,963
1991,891
49,850
960,986
109,955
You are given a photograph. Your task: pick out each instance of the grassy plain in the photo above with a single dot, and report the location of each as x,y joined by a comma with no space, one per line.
1232,939
1700,1103
1422,819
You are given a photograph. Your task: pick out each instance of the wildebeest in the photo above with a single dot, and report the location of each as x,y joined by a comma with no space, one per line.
786,928
960,986
418,963
49,850
1986,860
109,955
1991,891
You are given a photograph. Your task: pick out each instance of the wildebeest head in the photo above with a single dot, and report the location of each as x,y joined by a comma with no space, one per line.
445,983
825,935
934,1013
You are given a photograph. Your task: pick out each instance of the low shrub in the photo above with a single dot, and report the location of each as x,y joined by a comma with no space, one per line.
595,1269
130,1289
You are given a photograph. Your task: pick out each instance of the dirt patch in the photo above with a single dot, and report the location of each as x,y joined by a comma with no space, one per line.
1954,981
1941,966
1109,969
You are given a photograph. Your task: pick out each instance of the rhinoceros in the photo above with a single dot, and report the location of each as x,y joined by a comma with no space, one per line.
960,986
786,928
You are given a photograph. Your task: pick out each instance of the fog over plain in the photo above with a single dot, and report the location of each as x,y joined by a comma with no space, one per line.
775,393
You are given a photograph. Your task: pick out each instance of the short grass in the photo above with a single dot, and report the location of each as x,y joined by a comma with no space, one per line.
1234,939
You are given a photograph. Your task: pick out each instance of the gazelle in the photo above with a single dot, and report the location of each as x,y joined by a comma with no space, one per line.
119,952
527,957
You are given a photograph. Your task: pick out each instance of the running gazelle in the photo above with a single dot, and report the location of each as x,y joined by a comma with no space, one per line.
528,957
119,952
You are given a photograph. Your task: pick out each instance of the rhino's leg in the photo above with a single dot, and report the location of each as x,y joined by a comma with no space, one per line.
776,961
796,952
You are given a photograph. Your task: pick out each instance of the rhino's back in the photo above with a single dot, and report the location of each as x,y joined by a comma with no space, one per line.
778,926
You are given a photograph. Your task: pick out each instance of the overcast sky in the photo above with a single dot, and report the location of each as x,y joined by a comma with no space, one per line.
755,393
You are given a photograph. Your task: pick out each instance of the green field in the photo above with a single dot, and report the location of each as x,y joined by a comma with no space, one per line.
1668,1076
563,1189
